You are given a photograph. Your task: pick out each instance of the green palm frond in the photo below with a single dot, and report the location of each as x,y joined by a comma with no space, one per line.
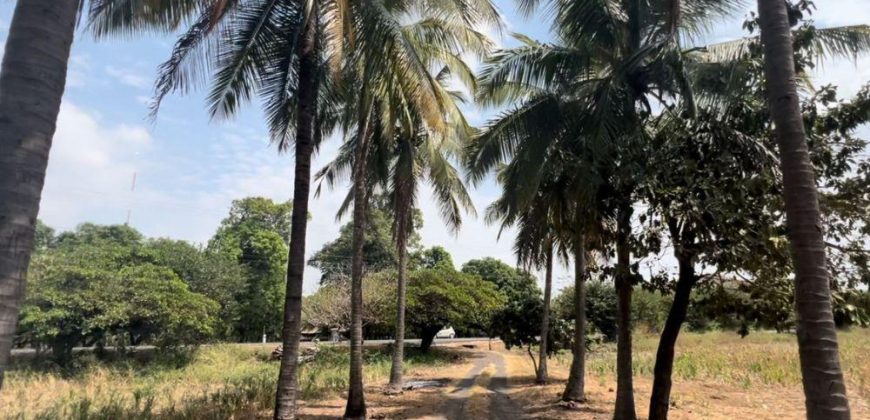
243,62
129,17
821,43
534,67
191,57
535,120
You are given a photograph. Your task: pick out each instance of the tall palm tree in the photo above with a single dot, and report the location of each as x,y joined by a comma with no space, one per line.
40,37
273,49
397,166
546,221
824,387
32,82
395,77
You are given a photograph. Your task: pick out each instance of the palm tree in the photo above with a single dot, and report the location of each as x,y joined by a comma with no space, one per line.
40,37
273,49
824,387
546,221
398,166
394,75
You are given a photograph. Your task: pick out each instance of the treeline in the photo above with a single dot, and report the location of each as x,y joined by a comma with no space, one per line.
111,286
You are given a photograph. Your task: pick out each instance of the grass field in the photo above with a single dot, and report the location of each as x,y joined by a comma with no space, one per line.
759,359
711,371
219,382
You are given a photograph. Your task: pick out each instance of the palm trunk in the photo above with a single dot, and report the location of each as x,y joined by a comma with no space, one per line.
624,383
575,388
399,345
32,81
356,405
824,387
541,375
285,397
661,391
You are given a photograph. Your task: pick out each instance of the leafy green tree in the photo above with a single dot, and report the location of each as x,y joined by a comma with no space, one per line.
600,301
517,323
334,258
101,294
93,234
255,235
43,236
435,257
215,275
40,43
439,297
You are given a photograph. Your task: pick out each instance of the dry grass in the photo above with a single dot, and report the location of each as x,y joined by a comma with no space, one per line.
219,382
717,375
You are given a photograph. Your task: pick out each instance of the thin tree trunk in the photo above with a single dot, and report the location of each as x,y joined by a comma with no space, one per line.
575,388
32,82
285,397
664,367
824,387
356,405
399,345
624,383
541,375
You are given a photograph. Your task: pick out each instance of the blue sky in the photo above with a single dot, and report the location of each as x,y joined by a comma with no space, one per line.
188,168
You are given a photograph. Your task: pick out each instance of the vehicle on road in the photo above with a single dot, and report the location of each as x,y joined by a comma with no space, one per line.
448,332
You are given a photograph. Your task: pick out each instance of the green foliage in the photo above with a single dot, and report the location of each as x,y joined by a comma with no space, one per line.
255,235
379,251
91,234
518,322
432,258
439,297
106,294
43,236
209,273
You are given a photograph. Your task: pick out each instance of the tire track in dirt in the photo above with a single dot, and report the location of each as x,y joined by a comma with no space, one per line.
500,407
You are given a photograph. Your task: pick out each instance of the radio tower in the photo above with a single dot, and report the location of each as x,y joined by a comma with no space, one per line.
132,190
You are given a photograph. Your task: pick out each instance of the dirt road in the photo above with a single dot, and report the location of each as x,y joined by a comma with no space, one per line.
483,390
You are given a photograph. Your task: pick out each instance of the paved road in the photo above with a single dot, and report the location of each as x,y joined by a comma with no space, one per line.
29,353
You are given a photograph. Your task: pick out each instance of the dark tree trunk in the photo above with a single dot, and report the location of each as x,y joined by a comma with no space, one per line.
356,405
824,387
575,388
661,391
541,376
62,350
285,397
624,382
427,338
32,81
399,344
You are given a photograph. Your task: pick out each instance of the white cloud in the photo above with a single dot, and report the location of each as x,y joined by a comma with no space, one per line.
128,77
90,169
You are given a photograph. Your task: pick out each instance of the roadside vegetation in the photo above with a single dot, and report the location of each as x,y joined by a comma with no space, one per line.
215,382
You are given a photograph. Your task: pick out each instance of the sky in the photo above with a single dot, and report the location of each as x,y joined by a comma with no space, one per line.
188,168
